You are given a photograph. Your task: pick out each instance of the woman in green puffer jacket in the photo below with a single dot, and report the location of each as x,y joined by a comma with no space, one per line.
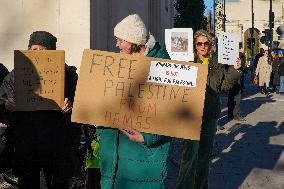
130,159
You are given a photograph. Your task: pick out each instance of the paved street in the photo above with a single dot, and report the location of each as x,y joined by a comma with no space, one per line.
248,155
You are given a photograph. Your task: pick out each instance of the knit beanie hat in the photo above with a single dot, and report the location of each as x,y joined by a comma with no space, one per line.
132,29
43,38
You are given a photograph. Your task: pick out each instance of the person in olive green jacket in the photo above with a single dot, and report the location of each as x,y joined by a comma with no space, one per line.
130,159
194,169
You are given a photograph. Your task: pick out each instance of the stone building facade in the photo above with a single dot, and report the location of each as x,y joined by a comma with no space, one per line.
157,15
239,16
78,24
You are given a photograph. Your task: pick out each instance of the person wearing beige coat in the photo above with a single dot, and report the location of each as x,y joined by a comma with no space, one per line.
263,70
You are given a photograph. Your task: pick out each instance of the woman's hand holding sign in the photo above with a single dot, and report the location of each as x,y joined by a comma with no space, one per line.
67,107
133,135
10,104
238,64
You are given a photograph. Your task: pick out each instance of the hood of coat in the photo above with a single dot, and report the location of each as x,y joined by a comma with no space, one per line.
150,44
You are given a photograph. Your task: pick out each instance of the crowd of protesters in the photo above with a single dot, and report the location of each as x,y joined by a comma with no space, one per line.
270,71
118,158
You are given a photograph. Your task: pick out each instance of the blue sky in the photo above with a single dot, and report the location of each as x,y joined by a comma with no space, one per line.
209,5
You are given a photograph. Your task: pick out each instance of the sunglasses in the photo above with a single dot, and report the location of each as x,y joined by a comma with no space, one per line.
206,44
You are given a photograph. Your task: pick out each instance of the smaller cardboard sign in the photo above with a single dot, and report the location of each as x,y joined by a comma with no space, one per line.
173,74
179,43
228,48
39,80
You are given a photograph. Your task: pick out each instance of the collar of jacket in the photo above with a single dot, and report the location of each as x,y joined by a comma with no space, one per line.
211,57
150,44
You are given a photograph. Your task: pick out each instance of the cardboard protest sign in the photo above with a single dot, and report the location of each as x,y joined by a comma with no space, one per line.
228,48
151,95
39,80
179,43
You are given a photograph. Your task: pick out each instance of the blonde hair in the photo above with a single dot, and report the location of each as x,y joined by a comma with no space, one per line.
203,33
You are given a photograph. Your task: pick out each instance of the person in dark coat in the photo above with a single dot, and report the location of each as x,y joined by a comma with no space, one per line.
257,57
3,73
281,73
4,159
40,139
235,93
275,77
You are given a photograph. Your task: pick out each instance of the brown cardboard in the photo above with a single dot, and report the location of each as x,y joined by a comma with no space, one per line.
39,80
113,91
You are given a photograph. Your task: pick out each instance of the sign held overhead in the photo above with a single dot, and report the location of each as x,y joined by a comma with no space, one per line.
228,48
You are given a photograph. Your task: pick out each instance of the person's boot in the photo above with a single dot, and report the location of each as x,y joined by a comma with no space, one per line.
239,118
277,90
262,90
274,90
266,91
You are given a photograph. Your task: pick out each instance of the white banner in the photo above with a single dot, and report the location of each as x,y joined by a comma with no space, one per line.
173,74
228,48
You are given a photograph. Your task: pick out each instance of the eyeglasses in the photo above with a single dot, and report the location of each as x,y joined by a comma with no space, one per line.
206,44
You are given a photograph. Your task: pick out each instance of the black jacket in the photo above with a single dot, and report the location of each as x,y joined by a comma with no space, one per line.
39,135
3,73
281,67
275,72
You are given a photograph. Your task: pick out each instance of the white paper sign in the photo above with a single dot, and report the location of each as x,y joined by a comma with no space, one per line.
179,43
173,74
228,48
